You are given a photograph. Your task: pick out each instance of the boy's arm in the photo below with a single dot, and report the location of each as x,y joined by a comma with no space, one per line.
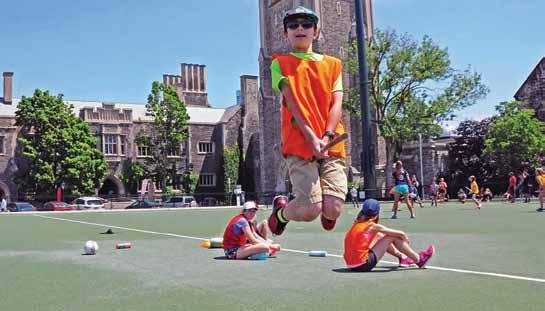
315,142
389,232
335,113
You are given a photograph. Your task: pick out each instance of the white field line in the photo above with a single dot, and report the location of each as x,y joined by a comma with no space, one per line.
499,275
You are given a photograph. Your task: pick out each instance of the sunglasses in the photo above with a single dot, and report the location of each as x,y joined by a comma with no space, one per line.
295,25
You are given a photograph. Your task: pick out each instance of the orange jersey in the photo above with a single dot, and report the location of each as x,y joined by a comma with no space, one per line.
311,83
541,180
357,242
474,187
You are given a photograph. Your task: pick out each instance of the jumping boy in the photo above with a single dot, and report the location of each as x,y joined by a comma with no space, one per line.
366,242
311,87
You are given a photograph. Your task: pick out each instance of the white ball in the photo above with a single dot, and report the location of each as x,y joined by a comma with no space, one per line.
90,248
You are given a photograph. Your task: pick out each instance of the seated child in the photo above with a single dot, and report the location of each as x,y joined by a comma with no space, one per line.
462,196
366,242
243,239
487,195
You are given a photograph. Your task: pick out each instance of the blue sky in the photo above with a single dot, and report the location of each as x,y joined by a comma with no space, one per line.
112,50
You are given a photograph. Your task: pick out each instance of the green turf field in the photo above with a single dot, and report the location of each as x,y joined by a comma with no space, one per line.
42,266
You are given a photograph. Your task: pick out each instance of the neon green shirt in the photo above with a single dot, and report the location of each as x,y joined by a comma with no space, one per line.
277,77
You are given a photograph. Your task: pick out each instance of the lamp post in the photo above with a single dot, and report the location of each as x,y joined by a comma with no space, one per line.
421,165
368,148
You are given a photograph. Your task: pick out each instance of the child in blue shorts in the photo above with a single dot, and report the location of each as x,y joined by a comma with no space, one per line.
402,183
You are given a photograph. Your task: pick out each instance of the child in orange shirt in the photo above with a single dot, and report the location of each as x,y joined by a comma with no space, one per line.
474,191
366,242
540,178
312,95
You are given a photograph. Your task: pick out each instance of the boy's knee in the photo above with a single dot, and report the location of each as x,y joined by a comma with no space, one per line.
332,207
311,212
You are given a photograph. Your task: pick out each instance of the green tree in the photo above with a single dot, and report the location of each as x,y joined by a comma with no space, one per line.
412,88
231,165
132,174
57,147
466,154
163,137
516,139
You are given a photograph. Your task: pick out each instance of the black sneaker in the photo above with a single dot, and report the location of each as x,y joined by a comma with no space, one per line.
277,227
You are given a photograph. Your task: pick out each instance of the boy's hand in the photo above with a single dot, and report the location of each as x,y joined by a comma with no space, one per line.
317,145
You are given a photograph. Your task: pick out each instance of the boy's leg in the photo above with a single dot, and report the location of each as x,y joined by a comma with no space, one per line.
334,186
307,204
251,249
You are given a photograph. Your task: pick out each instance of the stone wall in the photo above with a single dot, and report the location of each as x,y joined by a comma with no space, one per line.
8,132
532,91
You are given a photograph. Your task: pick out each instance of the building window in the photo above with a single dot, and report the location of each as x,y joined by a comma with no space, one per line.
341,52
110,144
2,147
207,180
339,8
206,147
143,151
123,145
175,152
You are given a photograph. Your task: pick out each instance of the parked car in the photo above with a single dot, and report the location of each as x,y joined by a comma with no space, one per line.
183,201
85,203
20,207
56,206
143,204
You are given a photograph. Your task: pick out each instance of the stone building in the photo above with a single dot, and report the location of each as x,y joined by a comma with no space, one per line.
532,91
337,23
117,124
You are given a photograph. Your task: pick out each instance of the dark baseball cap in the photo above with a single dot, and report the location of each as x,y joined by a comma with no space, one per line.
300,12
370,208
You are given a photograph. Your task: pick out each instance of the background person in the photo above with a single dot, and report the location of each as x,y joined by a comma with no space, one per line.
243,239
367,241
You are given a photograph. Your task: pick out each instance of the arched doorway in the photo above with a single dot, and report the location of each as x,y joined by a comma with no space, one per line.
112,186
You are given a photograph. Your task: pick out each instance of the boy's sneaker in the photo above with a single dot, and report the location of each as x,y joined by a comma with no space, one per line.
277,227
406,262
394,216
540,209
425,256
327,224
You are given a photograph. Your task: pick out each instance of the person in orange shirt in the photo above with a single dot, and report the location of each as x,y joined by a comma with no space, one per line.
366,242
540,178
243,238
312,95
474,191
441,197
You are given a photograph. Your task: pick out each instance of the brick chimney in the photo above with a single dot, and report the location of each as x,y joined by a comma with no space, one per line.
190,84
8,87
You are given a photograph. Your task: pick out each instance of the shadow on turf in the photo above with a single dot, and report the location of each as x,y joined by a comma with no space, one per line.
221,258
378,269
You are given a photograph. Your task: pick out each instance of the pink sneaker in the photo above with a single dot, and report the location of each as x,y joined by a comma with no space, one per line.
425,256
406,262
272,252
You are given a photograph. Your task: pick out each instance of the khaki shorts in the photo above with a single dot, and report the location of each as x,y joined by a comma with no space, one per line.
312,180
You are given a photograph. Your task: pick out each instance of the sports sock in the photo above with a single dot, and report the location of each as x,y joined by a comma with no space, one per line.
280,216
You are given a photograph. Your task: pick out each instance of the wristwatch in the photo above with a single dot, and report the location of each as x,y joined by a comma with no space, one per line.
329,134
